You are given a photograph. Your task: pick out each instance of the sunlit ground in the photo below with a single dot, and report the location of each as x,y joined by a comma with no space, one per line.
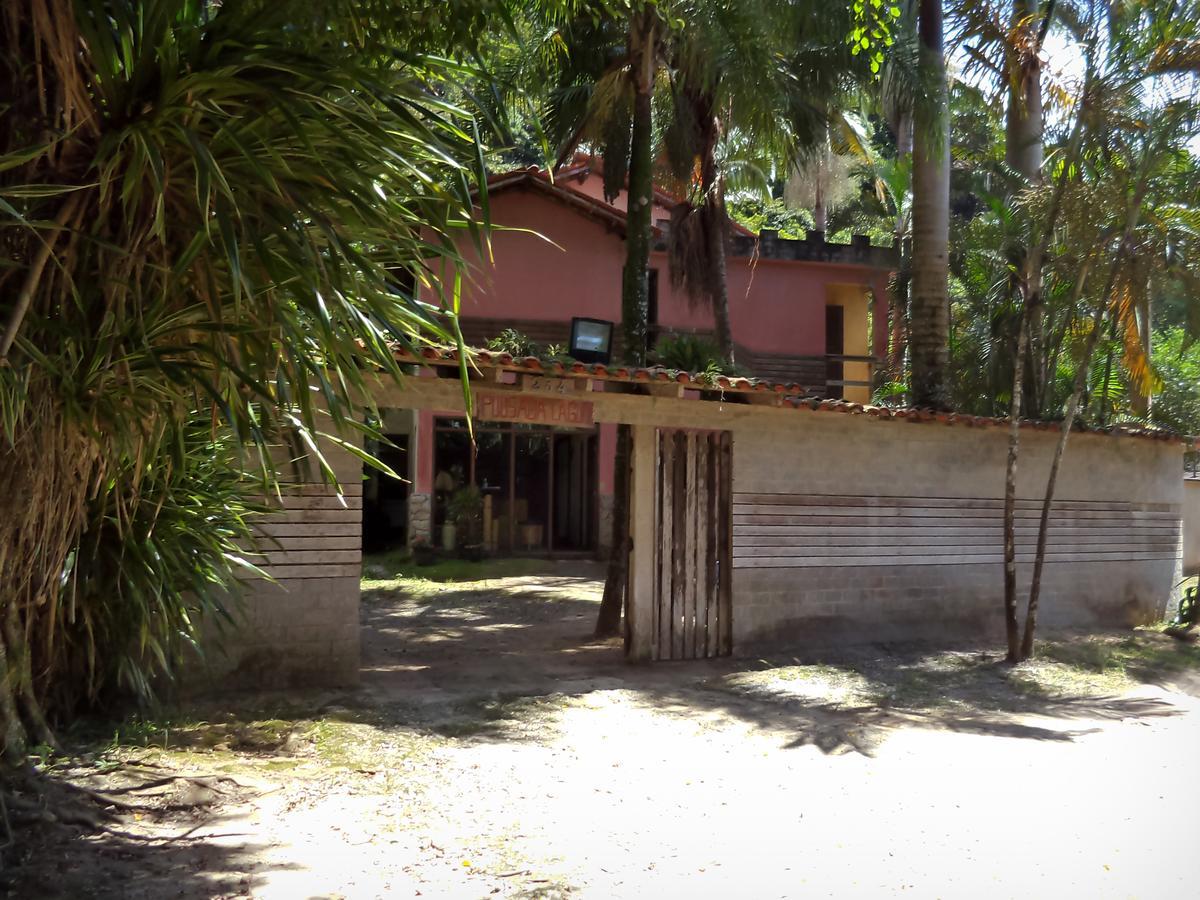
495,750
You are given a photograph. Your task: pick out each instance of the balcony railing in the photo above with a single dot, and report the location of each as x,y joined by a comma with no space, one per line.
836,381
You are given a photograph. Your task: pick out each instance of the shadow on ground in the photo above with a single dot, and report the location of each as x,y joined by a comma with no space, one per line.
499,661
56,859
512,660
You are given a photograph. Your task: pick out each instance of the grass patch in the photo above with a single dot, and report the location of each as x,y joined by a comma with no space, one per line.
170,733
1145,656
396,570
278,739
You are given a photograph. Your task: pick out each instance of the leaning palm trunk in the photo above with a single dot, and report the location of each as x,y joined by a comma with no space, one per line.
1079,386
634,287
1133,213
930,313
1030,275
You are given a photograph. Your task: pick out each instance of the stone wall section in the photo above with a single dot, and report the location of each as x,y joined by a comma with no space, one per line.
420,518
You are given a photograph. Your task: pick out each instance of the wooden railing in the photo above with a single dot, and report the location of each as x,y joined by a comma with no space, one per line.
871,361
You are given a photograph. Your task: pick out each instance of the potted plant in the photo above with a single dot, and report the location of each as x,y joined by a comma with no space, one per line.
465,510
423,552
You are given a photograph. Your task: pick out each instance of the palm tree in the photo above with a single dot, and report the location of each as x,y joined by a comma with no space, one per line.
603,68
1130,141
930,310
752,86
729,67
204,205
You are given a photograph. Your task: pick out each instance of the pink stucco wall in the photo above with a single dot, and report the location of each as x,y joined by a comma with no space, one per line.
552,261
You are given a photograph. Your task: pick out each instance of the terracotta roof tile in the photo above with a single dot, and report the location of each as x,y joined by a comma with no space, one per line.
792,394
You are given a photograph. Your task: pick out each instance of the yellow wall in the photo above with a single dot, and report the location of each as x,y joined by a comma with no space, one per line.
853,298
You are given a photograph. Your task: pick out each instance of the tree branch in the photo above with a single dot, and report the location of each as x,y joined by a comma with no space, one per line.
36,266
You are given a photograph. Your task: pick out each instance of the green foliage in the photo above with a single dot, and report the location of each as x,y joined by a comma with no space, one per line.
1177,364
1131,156
872,32
518,344
219,213
464,507
891,393
687,353
514,342
156,567
755,213
1188,615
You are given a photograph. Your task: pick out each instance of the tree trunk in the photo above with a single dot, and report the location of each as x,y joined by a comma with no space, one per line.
929,345
19,675
819,212
722,326
608,621
57,466
12,732
1024,153
1011,626
638,221
1133,213
1039,559
902,127
1108,365
716,226
900,290
634,287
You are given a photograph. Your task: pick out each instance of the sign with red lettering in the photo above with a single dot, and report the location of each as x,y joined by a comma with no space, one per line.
533,410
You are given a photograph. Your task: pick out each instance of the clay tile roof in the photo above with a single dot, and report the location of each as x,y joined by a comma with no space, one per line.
792,394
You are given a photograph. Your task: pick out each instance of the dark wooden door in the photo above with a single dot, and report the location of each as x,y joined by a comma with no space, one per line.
694,552
835,345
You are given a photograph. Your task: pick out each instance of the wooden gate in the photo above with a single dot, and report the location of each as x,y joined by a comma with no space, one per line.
693,556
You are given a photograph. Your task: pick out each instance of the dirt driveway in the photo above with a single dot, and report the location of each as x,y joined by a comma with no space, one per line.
494,751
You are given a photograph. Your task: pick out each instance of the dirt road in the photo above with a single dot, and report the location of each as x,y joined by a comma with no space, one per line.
492,751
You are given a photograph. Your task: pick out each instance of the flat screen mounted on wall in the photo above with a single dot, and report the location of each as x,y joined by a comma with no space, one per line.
591,340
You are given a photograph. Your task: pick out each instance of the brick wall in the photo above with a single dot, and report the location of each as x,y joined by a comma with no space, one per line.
853,529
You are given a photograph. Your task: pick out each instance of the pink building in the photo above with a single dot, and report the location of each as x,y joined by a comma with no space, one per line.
805,312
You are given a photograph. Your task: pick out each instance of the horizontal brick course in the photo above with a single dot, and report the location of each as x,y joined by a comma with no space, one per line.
849,529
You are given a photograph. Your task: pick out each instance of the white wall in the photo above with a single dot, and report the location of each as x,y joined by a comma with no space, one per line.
1191,526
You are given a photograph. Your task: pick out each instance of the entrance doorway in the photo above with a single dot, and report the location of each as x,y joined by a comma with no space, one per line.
385,499
538,485
835,346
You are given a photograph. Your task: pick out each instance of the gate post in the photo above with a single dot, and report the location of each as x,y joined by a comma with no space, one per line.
643,532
